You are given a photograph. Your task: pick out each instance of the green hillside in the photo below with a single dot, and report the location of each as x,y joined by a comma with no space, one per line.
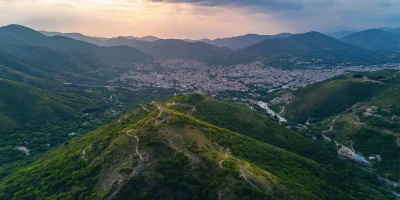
374,39
307,46
365,107
243,41
28,114
48,96
22,37
44,72
329,98
157,152
41,118
247,122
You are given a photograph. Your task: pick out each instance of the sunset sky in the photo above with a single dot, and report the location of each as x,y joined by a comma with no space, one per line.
197,19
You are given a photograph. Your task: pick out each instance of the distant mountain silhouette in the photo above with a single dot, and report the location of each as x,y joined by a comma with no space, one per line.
170,48
156,47
339,34
96,40
77,36
239,42
392,30
374,39
311,45
145,38
26,36
307,42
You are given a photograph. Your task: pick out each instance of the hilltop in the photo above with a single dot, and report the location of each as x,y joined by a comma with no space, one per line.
310,48
243,41
307,43
157,151
374,39
26,37
171,48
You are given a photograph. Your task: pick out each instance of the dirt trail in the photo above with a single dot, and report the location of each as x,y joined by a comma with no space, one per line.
159,114
221,162
144,108
135,171
331,128
141,159
172,145
282,111
193,109
243,175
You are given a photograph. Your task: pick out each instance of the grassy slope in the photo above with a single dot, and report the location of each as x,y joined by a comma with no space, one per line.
26,110
372,135
27,104
181,158
242,120
329,98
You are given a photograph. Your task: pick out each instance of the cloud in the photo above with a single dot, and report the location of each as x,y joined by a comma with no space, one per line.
270,5
198,18
304,15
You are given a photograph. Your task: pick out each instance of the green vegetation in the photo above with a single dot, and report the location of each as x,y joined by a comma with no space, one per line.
367,108
182,156
374,39
329,97
52,90
247,122
371,142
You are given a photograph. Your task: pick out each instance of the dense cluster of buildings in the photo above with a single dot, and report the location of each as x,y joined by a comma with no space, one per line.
195,76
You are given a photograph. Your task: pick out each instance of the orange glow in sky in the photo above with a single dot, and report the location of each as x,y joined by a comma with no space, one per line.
197,19
135,17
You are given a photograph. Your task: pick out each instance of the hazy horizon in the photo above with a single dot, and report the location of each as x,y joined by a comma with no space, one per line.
186,19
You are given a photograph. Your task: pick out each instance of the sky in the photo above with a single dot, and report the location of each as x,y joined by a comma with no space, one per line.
196,19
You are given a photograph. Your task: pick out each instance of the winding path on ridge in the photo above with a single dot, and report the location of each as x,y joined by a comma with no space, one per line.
144,108
137,148
243,175
159,114
135,171
221,162
173,146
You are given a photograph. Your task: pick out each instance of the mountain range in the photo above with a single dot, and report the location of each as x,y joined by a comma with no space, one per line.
309,46
340,34
170,48
9,35
240,42
374,39
157,48
312,45
66,133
